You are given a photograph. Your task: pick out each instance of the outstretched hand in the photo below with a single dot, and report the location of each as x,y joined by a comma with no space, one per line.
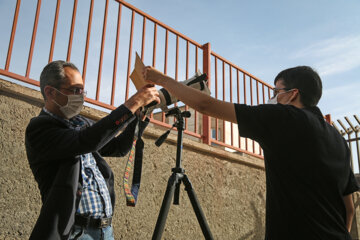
143,97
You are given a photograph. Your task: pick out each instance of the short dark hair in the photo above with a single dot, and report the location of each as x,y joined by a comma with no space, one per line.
306,80
53,74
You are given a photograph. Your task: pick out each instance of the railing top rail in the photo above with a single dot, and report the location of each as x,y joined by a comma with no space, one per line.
159,23
240,69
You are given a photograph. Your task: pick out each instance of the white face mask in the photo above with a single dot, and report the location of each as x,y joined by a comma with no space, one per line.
74,105
273,100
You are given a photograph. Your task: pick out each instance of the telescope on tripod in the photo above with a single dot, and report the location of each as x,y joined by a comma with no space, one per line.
177,177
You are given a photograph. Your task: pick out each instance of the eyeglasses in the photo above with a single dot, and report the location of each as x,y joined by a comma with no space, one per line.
76,91
276,90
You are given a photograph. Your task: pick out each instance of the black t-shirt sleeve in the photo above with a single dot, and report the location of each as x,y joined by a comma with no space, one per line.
352,185
265,123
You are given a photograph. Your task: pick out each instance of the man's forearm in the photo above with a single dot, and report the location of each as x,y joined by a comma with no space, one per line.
198,100
190,96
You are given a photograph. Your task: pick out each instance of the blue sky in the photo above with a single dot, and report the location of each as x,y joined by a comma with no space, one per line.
262,37
265,37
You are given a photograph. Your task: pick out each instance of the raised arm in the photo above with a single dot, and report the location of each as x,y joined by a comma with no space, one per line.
192,97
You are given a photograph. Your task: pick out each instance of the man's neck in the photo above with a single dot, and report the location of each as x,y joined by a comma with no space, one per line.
297,104
54,110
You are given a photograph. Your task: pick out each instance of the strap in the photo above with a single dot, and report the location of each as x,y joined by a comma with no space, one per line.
202,77
166,96
134,160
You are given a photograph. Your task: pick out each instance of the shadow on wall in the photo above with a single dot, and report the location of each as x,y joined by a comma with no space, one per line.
258,231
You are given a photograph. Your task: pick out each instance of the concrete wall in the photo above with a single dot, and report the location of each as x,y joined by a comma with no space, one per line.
229,186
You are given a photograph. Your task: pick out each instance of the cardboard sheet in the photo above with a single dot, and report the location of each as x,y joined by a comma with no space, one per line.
137,74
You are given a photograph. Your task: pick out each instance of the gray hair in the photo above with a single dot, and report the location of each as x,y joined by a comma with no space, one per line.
53,75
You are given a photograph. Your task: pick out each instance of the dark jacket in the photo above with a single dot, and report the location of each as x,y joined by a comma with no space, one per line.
54,150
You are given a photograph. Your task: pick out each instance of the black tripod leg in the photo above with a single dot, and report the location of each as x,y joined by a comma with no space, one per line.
165,206
197,209
177,193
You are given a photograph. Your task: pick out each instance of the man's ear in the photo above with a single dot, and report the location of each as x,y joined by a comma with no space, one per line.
49,92
295,94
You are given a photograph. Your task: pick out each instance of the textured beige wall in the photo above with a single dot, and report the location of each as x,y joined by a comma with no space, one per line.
230,187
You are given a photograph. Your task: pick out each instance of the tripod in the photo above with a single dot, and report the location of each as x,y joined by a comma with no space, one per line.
177,177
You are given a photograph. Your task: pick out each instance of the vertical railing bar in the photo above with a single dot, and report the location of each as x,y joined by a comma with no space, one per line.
237,86
176,64
350,147
196,58
154,45
231,100
257,93
54,30
196,69
252,103
357,147
216,96
238,98
88,40
257,102
187,60
263,97
177,58
116,55
186,77
251,93
223,88
263,92
206,68
102,51
166,50
143,39
12,36
72,31
244,81
165,63
129,57
33,39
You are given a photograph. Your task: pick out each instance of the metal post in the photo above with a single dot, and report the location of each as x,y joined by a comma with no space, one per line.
206,69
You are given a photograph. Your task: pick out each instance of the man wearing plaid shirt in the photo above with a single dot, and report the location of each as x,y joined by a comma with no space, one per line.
65,153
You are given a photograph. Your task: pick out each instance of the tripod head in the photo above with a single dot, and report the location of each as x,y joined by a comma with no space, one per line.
179,123
176,112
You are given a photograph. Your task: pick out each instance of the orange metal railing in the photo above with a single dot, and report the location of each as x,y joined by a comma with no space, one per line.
187,56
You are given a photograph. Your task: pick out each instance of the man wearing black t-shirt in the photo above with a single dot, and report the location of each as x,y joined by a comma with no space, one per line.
308,175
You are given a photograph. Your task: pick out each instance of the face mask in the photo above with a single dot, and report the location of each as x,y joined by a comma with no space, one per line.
274,99
74,105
